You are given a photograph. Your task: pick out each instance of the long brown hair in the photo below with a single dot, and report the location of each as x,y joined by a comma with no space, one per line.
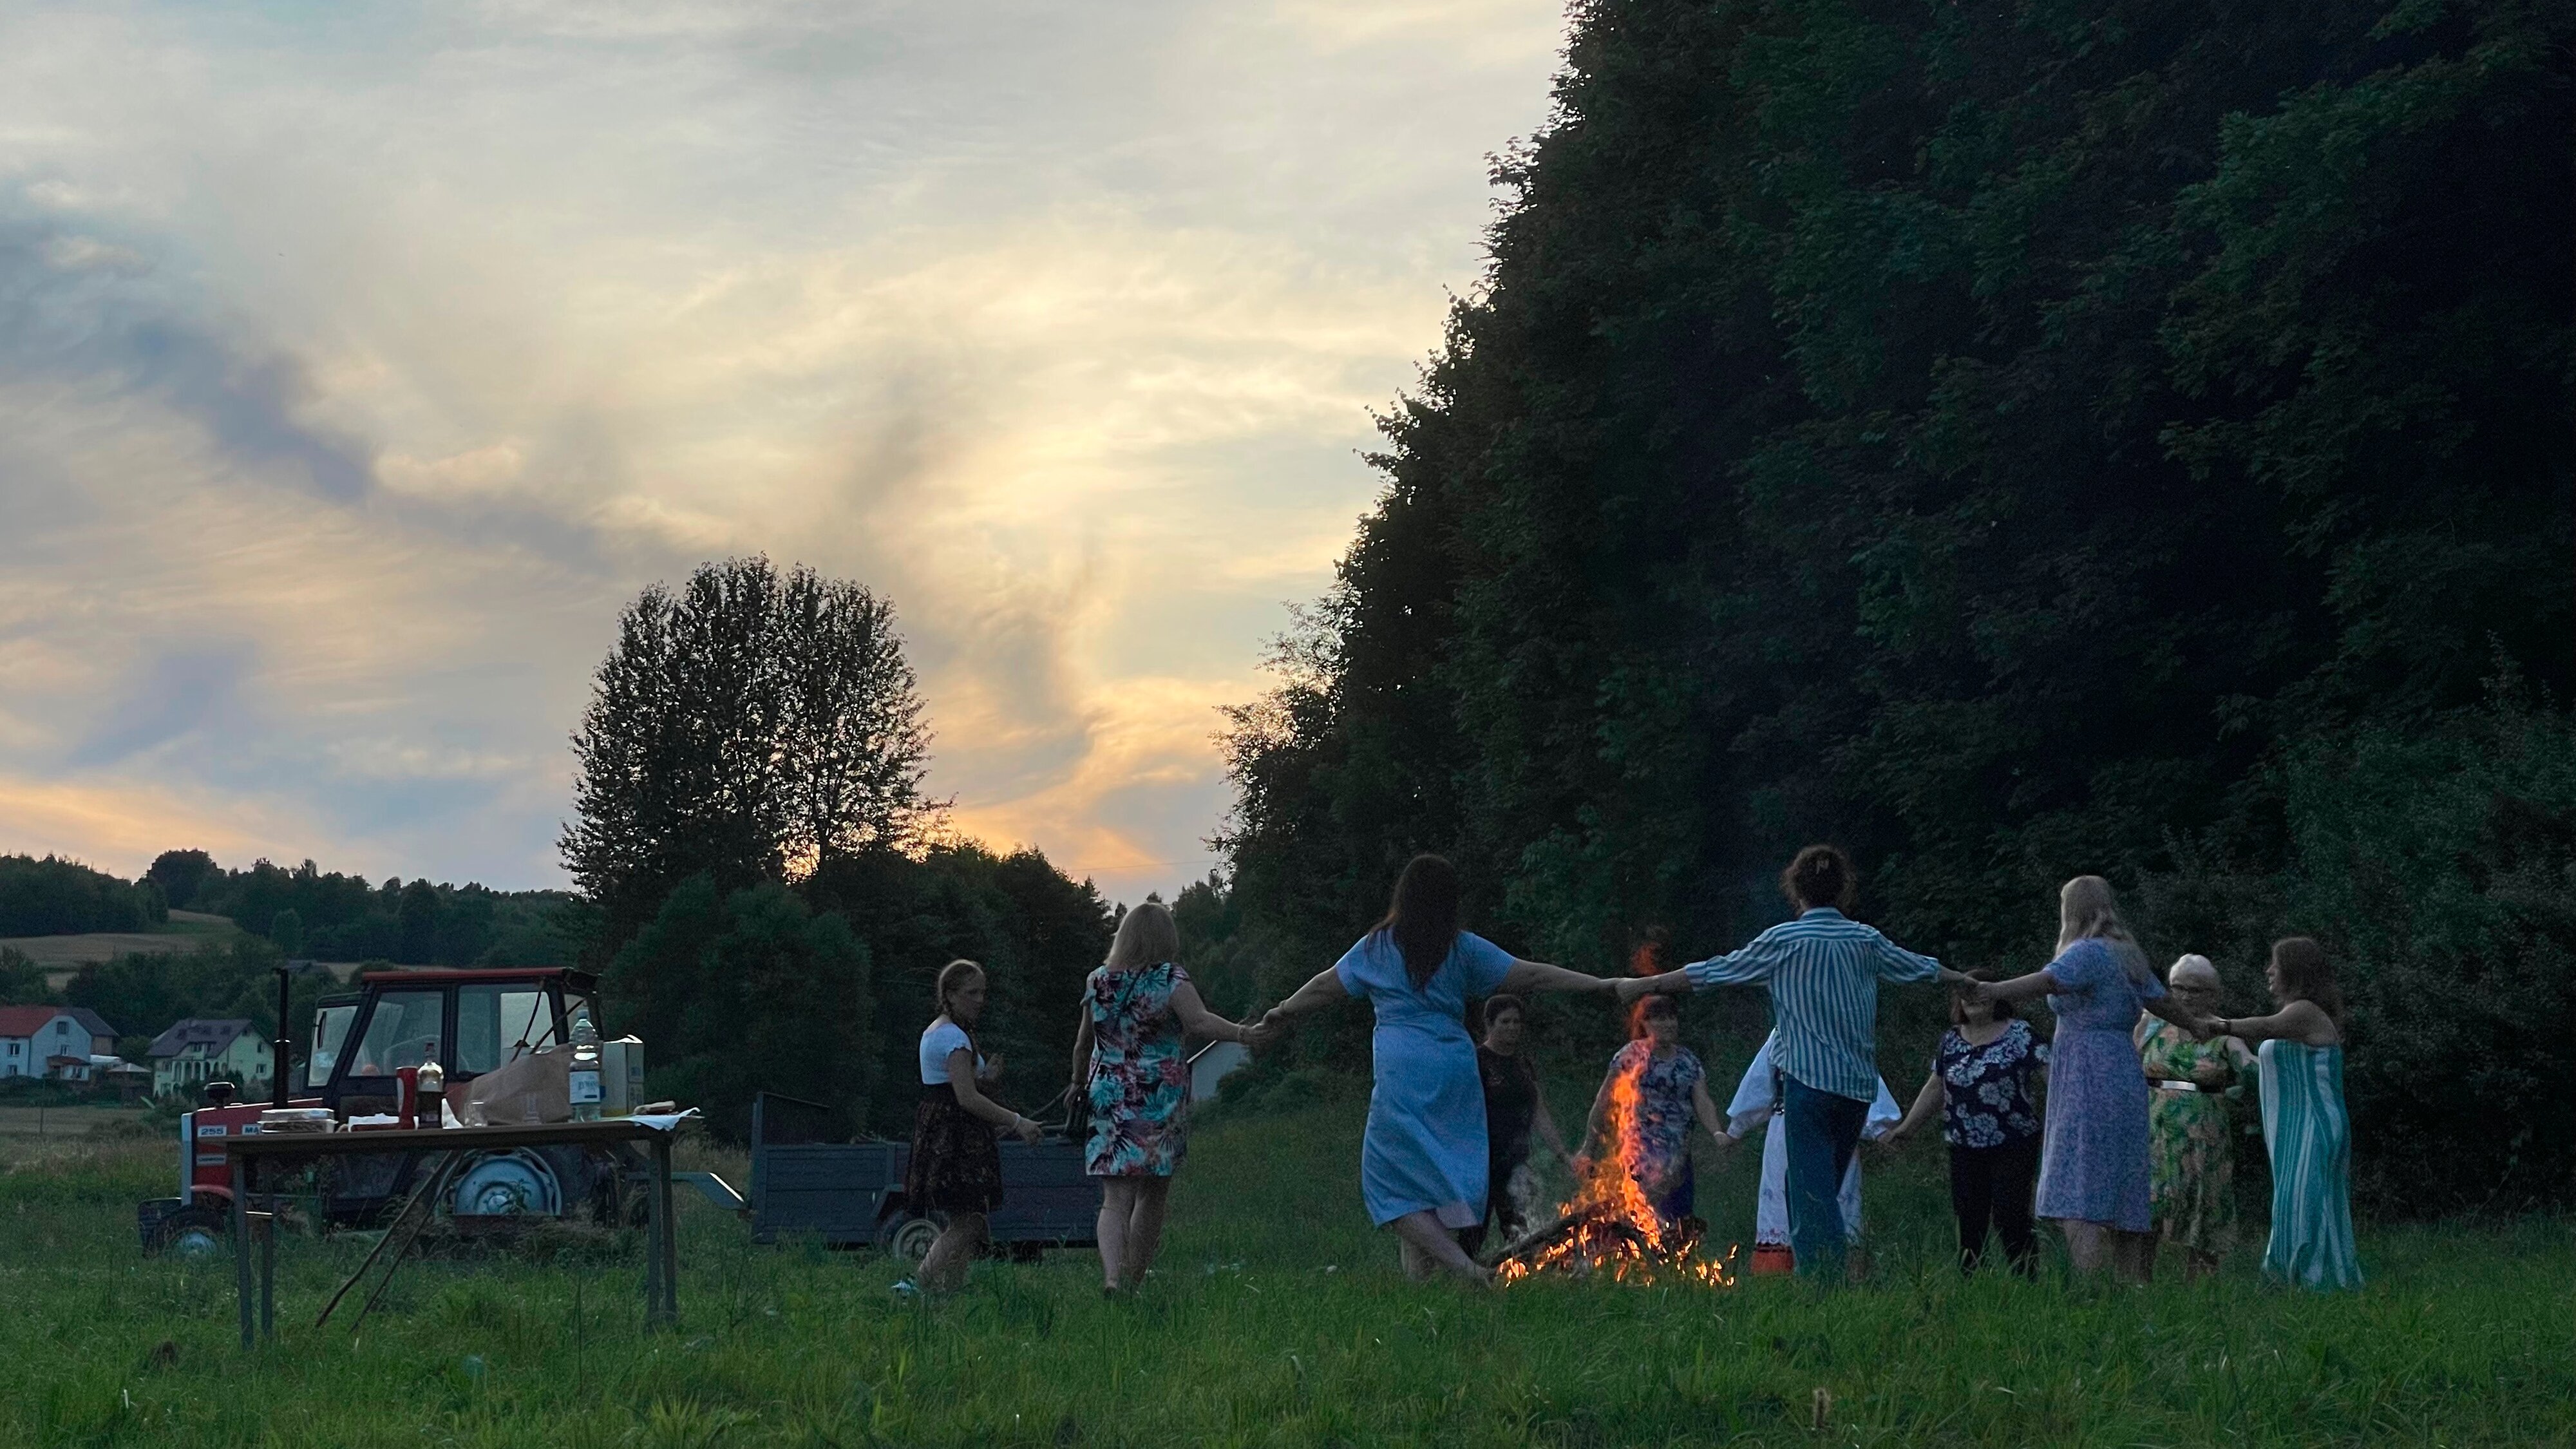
1422,919
2307,975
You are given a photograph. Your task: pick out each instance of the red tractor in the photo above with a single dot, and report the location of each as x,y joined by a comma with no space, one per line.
468,1021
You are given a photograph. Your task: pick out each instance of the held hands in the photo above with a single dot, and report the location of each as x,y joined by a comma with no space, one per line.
1631,989
1261,1035
1027,1131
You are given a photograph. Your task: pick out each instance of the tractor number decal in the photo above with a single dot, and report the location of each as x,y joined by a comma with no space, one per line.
214,1130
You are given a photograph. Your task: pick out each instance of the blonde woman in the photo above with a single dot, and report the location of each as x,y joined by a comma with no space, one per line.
2093,1174
1127,1061
956,1165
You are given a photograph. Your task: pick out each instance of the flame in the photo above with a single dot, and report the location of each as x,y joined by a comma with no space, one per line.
1611,1226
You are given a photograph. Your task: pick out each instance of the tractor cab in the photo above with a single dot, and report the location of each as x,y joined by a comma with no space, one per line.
468,1021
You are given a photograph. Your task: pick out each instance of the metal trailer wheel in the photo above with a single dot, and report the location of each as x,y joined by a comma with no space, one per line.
507,1184
194,1235
908,1237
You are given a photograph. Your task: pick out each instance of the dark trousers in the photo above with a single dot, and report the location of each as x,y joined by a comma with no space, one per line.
1823,1131
1500,1210
1993,1185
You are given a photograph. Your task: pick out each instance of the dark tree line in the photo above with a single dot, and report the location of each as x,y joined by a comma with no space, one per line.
57,897
2012,442
323,915
751,826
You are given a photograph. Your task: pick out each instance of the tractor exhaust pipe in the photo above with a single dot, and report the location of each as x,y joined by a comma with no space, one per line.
282,1045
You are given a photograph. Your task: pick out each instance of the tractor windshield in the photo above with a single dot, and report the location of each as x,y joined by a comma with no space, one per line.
496,1025
403,1032
330,1029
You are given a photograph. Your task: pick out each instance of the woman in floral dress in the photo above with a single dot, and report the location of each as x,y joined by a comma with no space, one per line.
2188,1142
1136,1009
2093,1175
1650,1123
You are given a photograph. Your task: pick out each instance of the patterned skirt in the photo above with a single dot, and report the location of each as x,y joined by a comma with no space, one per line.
2194,1189
956,1164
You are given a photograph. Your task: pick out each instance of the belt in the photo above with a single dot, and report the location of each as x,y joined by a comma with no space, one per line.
2173,1086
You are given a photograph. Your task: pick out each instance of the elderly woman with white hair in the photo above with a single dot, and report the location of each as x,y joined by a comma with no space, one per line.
2188,1086
2093,1174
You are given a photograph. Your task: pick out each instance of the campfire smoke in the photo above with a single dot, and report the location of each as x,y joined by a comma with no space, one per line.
1610,1226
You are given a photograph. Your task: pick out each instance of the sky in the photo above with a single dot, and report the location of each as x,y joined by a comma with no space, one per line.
359,363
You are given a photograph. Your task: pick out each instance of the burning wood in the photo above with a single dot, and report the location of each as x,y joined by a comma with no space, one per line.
1609,1226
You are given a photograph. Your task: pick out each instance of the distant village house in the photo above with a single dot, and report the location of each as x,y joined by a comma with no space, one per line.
62,1042
194,1052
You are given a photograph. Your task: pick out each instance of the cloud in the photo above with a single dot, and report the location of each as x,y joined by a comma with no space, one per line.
352,377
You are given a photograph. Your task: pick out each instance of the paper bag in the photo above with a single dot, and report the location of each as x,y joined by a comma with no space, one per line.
534,1089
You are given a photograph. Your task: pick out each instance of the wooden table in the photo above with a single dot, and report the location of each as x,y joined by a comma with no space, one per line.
661,1256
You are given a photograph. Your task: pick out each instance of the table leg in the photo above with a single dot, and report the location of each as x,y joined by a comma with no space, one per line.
665,1247
240,1175
652,1244
268,1272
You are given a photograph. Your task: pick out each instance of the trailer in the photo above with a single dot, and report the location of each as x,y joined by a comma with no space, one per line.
850,1194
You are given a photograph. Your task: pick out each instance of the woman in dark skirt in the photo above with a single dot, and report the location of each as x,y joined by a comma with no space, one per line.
956,1166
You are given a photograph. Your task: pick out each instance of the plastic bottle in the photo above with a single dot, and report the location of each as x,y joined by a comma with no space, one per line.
584,1078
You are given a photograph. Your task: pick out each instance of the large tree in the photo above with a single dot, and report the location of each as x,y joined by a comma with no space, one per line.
2009,440
749,728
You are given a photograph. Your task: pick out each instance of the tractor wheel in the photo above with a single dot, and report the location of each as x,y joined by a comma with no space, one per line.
907,1237
194,1234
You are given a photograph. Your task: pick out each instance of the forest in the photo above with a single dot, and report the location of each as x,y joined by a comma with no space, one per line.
2010,442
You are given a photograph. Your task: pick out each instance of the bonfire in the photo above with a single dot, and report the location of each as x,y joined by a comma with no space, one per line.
1610,1226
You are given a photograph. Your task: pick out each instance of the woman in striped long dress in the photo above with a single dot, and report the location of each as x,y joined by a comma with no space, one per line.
2304,1124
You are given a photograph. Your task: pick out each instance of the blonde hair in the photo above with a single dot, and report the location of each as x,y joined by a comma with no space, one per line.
1146,936
2086,910
951,977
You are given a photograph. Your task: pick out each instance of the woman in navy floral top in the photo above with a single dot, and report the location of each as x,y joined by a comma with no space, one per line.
1649,1125
1981,1084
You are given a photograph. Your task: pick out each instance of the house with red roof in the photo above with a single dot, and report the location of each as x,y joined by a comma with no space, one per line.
52,1041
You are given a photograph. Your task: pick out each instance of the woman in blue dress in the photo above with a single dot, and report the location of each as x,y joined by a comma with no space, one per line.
2094,1173
1422,1165
2304,1124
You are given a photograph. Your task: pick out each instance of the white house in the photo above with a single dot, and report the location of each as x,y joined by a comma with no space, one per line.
194,1052
52,1041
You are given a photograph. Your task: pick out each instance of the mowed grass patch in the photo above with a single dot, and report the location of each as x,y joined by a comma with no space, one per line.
1277,1318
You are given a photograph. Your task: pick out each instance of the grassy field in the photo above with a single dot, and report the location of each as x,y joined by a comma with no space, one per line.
1276,1318
62,956
44,1123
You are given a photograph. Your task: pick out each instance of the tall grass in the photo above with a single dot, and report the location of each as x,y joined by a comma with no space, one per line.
1277,1317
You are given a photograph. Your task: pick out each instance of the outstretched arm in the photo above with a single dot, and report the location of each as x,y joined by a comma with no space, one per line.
1706,1111
1322,989
2299,1021
1926,1103
1082,1050
1529,976
1200,1022
2020,988
1598,1121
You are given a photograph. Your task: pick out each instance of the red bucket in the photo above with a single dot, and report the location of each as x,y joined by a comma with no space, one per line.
1774,1258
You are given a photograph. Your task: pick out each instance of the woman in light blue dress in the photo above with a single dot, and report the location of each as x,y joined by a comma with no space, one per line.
1422,1165
2304,1125
2094,1172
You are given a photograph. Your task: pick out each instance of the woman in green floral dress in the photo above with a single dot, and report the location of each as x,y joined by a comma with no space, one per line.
2189,1146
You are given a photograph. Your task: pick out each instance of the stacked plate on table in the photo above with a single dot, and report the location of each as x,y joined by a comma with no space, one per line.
296,1119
